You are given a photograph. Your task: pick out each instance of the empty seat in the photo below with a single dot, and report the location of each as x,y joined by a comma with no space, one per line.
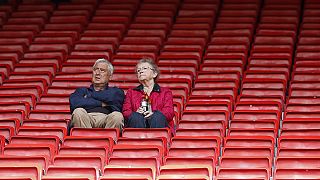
43,150
71,172
79,161
295,173
110,132
36,161
20,171
102,152
186,170
128,171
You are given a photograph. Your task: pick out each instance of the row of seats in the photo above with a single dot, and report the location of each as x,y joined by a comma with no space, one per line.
221,59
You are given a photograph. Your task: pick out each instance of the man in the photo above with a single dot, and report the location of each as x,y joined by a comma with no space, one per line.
99,105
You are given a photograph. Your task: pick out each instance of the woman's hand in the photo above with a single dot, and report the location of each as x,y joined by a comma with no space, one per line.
140,110
147,114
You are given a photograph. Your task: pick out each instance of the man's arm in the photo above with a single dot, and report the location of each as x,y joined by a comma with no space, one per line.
80,99
112,97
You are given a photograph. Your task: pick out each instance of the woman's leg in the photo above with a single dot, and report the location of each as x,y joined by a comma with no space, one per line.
157,120
136,120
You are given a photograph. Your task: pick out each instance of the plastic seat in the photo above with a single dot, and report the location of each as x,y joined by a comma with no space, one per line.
247,141
110,132
44,150
304,115
256,115
195,142
206,161
205,115
253,105
23,171
157,141
200,132
244,98
223,83
189,170
47,76
295,173
10,122
52,68
88,172
298,142
146,133
45,123
137,151
50,114
300,124
190,124
16,90
187,177
59,132
217,67
36,161
7,132
20,106
13,114
41,140
87,141
27,82
125,171
102,152
251,124
24,97
193,152
297,162
245,162
253,132
79,161
254,151
116,177
233,173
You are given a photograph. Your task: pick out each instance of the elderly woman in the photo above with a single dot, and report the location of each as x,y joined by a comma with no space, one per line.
148,105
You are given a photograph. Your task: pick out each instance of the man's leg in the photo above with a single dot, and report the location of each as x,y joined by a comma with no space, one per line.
80,118
136,120
112,120
157,120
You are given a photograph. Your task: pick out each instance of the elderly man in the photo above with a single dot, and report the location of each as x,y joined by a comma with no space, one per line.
98,105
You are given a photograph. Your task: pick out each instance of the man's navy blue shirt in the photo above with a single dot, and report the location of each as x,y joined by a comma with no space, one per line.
91,100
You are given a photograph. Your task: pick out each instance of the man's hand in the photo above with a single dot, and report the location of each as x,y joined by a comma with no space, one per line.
104,104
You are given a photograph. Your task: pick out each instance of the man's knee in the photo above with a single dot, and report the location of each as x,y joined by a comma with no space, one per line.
79,118
79,112
117,117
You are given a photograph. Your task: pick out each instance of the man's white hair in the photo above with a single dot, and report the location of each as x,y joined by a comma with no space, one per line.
102,60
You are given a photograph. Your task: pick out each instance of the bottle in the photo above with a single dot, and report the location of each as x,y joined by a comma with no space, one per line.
145,103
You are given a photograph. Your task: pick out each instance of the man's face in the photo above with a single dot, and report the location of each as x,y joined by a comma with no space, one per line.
100,74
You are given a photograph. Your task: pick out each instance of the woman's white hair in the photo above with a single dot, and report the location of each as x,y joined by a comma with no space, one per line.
102,60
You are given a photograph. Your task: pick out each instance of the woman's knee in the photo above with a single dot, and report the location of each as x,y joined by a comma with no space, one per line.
158,120
136,120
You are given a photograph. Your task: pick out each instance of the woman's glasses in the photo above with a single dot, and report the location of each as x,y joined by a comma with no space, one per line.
143,69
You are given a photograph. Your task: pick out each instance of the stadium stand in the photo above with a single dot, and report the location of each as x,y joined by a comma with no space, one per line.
244,76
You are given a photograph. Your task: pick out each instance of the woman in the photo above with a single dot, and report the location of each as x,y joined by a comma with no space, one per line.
148,105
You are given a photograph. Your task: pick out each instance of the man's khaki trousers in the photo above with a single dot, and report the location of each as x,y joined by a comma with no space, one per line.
81,118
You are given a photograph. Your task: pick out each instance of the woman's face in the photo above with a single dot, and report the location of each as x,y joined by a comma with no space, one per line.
145,72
